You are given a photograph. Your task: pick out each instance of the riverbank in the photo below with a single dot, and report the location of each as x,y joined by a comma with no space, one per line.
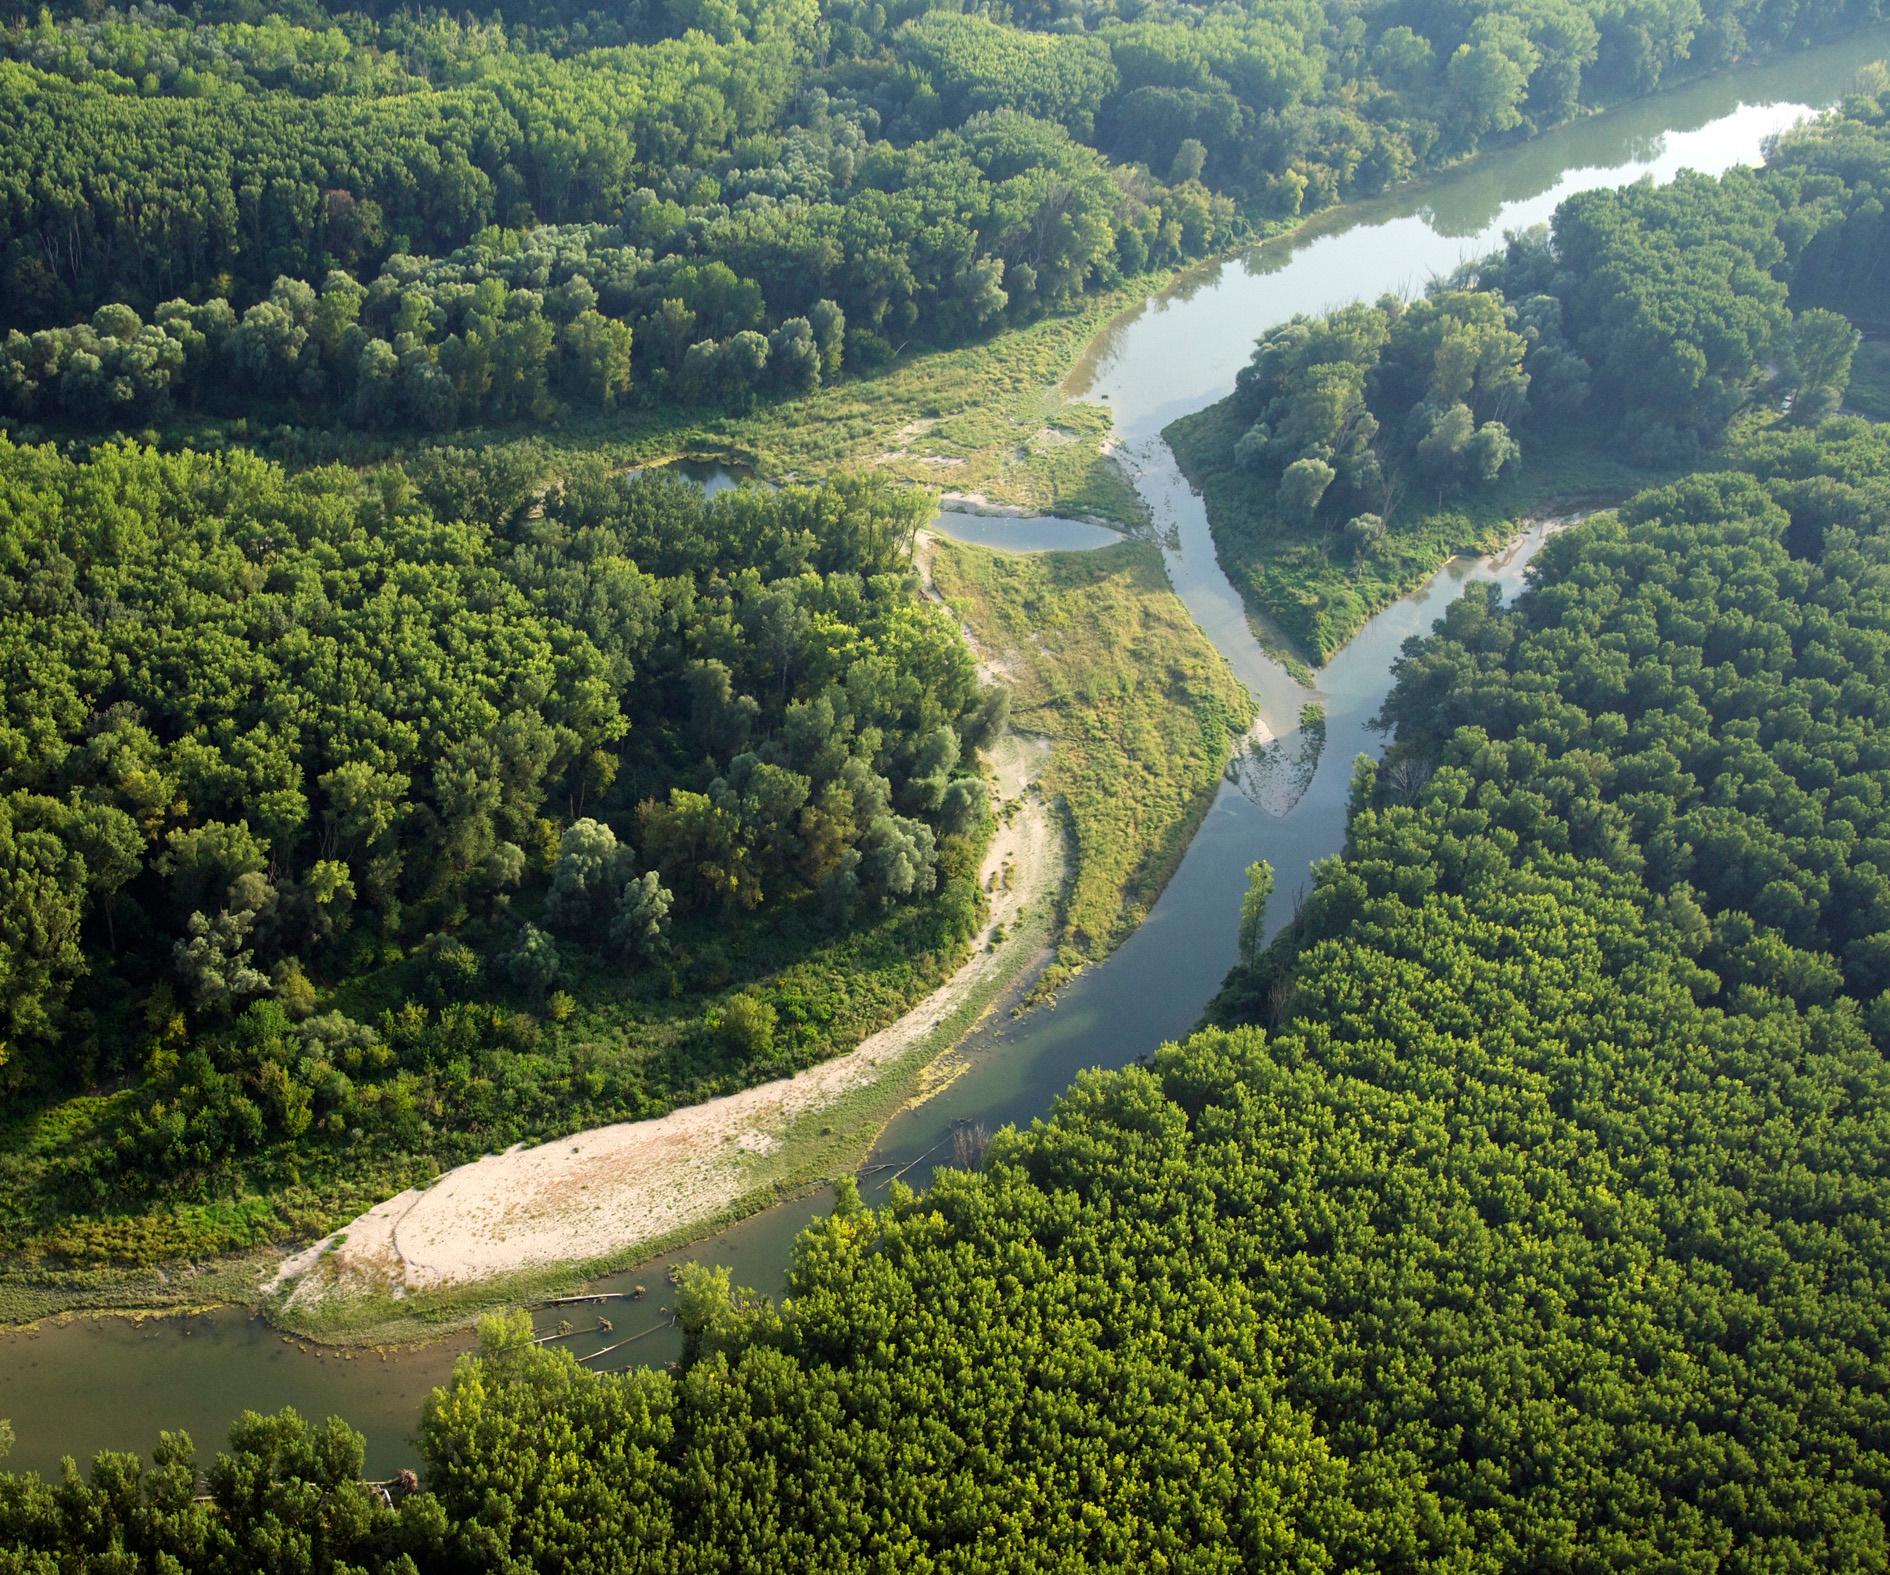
537,1220
1125,719
1295,574
1179,353
1004,421
1078,673
1142,711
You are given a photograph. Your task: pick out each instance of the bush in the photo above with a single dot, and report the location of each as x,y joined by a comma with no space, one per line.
533,962
746,1026
451,970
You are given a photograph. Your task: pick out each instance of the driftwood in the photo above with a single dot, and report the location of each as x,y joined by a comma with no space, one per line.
968,1139
947,1138
628,1339
389,1490
590,1296
600,1327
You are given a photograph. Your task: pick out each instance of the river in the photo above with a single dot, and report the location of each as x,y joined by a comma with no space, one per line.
113,1383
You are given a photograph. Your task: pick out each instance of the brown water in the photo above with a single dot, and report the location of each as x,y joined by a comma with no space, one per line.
111,1383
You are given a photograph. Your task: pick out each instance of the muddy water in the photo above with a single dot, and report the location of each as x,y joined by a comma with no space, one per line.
113,1384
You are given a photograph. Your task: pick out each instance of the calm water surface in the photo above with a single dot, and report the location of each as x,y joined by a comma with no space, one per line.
1023,532
112,1383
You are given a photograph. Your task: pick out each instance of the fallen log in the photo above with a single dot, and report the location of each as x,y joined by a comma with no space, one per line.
628,1340
589,1296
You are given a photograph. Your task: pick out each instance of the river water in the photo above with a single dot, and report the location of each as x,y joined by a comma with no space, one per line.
113,1383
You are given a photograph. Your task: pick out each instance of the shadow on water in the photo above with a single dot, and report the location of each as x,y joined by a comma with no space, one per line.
112,1383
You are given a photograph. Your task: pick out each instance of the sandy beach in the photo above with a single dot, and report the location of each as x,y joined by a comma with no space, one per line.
605,1192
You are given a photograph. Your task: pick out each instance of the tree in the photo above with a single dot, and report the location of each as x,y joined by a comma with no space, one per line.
453,969
1820,349
1253,909
533,964
1303,484
217,963
897,859
1491,451
1190,159
794,358
1486,82
599,351
829,325
41,887
1364,533
1445,441
640,926
590,872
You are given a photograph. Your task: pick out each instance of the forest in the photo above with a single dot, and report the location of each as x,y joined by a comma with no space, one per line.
354,821
1523,1207
1361,448
372,829
416,222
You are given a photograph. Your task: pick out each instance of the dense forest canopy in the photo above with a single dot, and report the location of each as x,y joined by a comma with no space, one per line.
1642,322
422,221
267,738
1525,1209
1654,310
1522,1207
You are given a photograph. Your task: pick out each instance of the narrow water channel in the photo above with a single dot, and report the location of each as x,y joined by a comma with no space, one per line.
110,1383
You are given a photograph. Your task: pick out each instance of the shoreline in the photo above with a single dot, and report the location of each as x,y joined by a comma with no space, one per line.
1150,289
549,1218
553,1215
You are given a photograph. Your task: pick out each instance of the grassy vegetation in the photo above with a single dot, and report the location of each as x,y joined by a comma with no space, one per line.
1142,713
1305,580
178,1289
987,419
1141,710
562,1064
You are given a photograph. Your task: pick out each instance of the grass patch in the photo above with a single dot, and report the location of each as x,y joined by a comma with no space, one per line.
1141,710
177,1288
987,419
1303,578
72,1235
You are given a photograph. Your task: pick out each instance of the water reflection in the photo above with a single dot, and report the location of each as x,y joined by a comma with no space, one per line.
1003,532
1275,773
712,475
1024,532
1207,319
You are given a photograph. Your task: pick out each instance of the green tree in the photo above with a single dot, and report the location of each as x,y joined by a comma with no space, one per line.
1253,909
1820,348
